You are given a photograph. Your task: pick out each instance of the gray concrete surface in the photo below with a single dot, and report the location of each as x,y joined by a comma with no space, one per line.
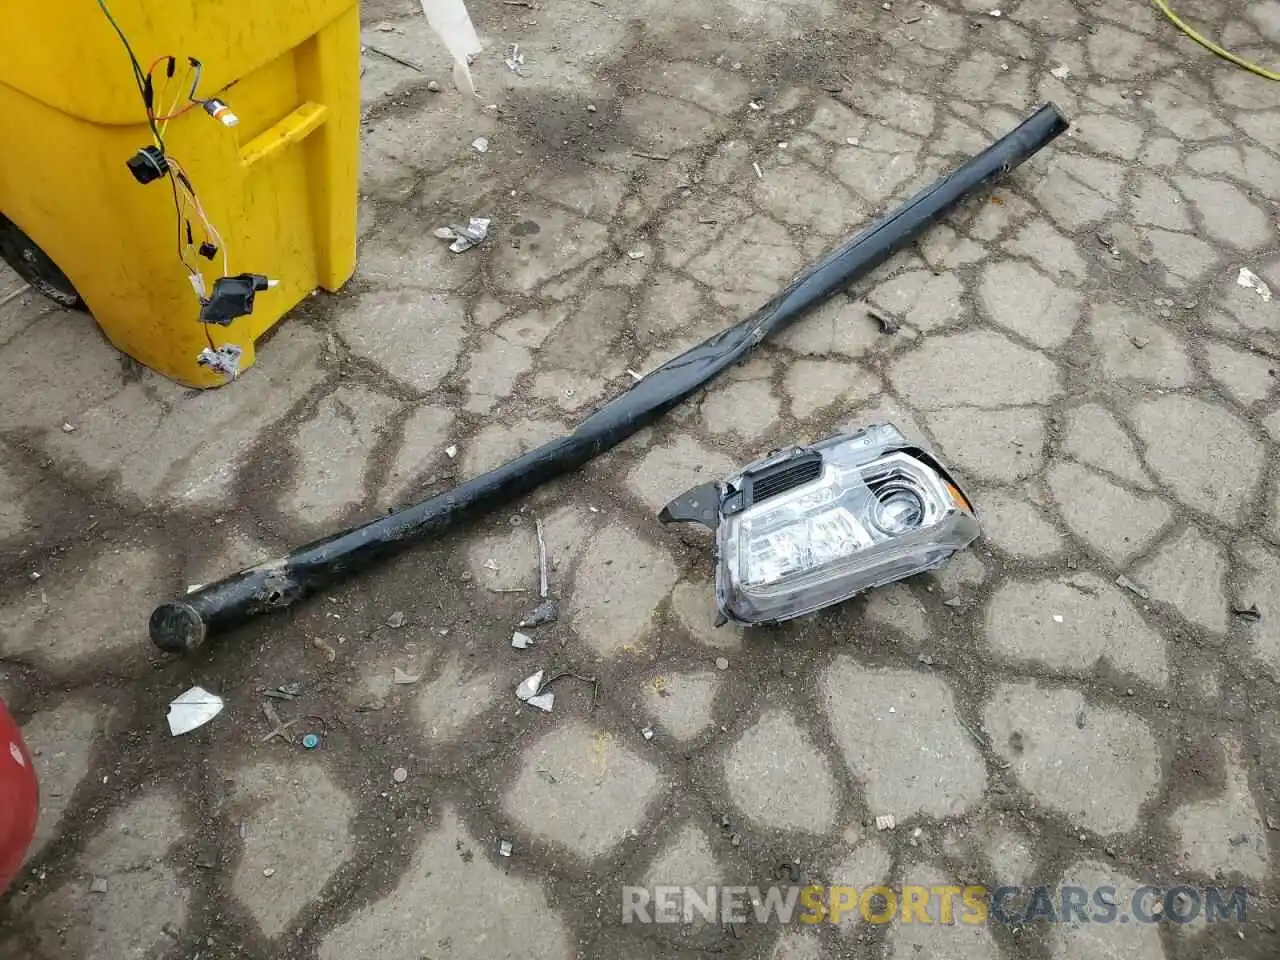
1075,700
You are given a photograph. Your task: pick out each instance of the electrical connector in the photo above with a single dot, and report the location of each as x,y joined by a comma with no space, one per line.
232,297
207,250
224,360
148,164
220,111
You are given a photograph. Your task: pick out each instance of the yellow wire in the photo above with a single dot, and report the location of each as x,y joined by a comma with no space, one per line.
1210,45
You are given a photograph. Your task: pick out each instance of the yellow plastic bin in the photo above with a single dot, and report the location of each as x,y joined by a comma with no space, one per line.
280,187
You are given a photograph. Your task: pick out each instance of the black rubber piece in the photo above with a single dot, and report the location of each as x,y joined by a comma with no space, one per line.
188,623
35,266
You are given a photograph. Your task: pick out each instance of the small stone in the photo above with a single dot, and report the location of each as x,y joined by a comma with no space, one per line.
591,108
433,87
852,141
396,620
647,733
399,774
451,451
480,144
722,663
34,575
505,848
269,872
68,428
99,885
886,822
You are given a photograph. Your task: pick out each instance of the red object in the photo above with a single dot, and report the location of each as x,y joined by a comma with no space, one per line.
19,799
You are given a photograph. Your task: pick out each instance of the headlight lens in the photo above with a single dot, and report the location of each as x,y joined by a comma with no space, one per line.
813,526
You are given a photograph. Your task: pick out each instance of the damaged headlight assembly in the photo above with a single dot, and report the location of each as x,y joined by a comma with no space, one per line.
808,527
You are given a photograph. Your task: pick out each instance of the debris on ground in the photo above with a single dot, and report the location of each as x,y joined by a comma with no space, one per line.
464,238
521,641
1127,584
99,885
759,172
278,728
403,678
545,612
647,733
68,428
722,663
451,451
433,87
310,741
399,774
1251,281
953,602
323,646
544,585
396,620
529,691
1080,719
394,59
635,254
1249,614
286,691
852,141
888,324
480,144
886,821
1061,71
193,708
514,59
926,659
505,848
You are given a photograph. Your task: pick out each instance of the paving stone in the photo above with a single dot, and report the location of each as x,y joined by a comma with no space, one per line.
916,759
866,865
1109,134
1118,53
750,262
872,175
447,705
332,450
1017,526
1157,204
920,298
665,125
778,779
597,791
78,614
1190,572
1248,309
815,384
955,940
60,740
1206,455
796,193
694,606
587,190
1226,213
840,327
1261,586
1094,437
1040,243
687,861
1098,775
899,108
1077,190
1210,831
997,445
561,244
1098,623
13,511
896,607
421,455
667,471
1186,258
505,559
961,573
482,912
1182,114
619,584
144,896
1131,347
747,408
413,335
1162,152
1110,519
1011,855
296,825
494,369
497,443
978,368
1105,941
1248,377
681,703
944,249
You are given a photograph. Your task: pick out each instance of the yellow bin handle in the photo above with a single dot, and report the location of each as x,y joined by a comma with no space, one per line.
294,127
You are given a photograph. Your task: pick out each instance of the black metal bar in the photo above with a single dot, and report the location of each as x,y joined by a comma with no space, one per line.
186,623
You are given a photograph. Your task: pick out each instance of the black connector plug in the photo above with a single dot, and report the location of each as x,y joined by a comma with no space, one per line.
207,250
148,164
232,297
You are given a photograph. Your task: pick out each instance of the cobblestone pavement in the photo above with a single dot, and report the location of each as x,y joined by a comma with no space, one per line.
1072,701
